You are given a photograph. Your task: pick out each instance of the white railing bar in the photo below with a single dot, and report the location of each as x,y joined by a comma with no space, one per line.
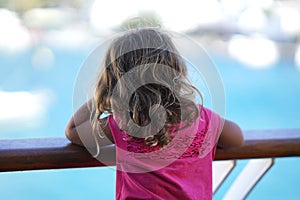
221,169
248,178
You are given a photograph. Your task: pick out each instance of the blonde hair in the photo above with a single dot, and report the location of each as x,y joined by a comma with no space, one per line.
167,85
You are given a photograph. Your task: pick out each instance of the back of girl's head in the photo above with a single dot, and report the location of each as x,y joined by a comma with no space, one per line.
144,82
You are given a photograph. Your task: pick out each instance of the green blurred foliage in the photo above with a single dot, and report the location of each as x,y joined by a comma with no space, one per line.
144,19
21,6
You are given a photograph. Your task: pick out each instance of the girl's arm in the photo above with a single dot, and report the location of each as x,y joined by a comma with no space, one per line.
231,135
79,128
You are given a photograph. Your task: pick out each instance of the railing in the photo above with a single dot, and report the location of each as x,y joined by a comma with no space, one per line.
56,153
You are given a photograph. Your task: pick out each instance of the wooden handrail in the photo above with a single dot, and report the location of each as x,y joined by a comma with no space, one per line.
57,153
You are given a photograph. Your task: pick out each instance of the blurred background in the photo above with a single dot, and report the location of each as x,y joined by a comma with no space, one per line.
43,43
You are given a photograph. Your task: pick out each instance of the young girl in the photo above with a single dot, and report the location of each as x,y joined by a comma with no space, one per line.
164,142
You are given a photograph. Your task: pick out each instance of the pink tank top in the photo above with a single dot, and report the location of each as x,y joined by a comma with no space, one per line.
181,170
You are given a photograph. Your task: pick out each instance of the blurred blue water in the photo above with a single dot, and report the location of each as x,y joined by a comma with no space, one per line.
255,98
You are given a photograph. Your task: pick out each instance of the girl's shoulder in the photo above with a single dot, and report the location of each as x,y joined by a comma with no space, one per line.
210,127
209,118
